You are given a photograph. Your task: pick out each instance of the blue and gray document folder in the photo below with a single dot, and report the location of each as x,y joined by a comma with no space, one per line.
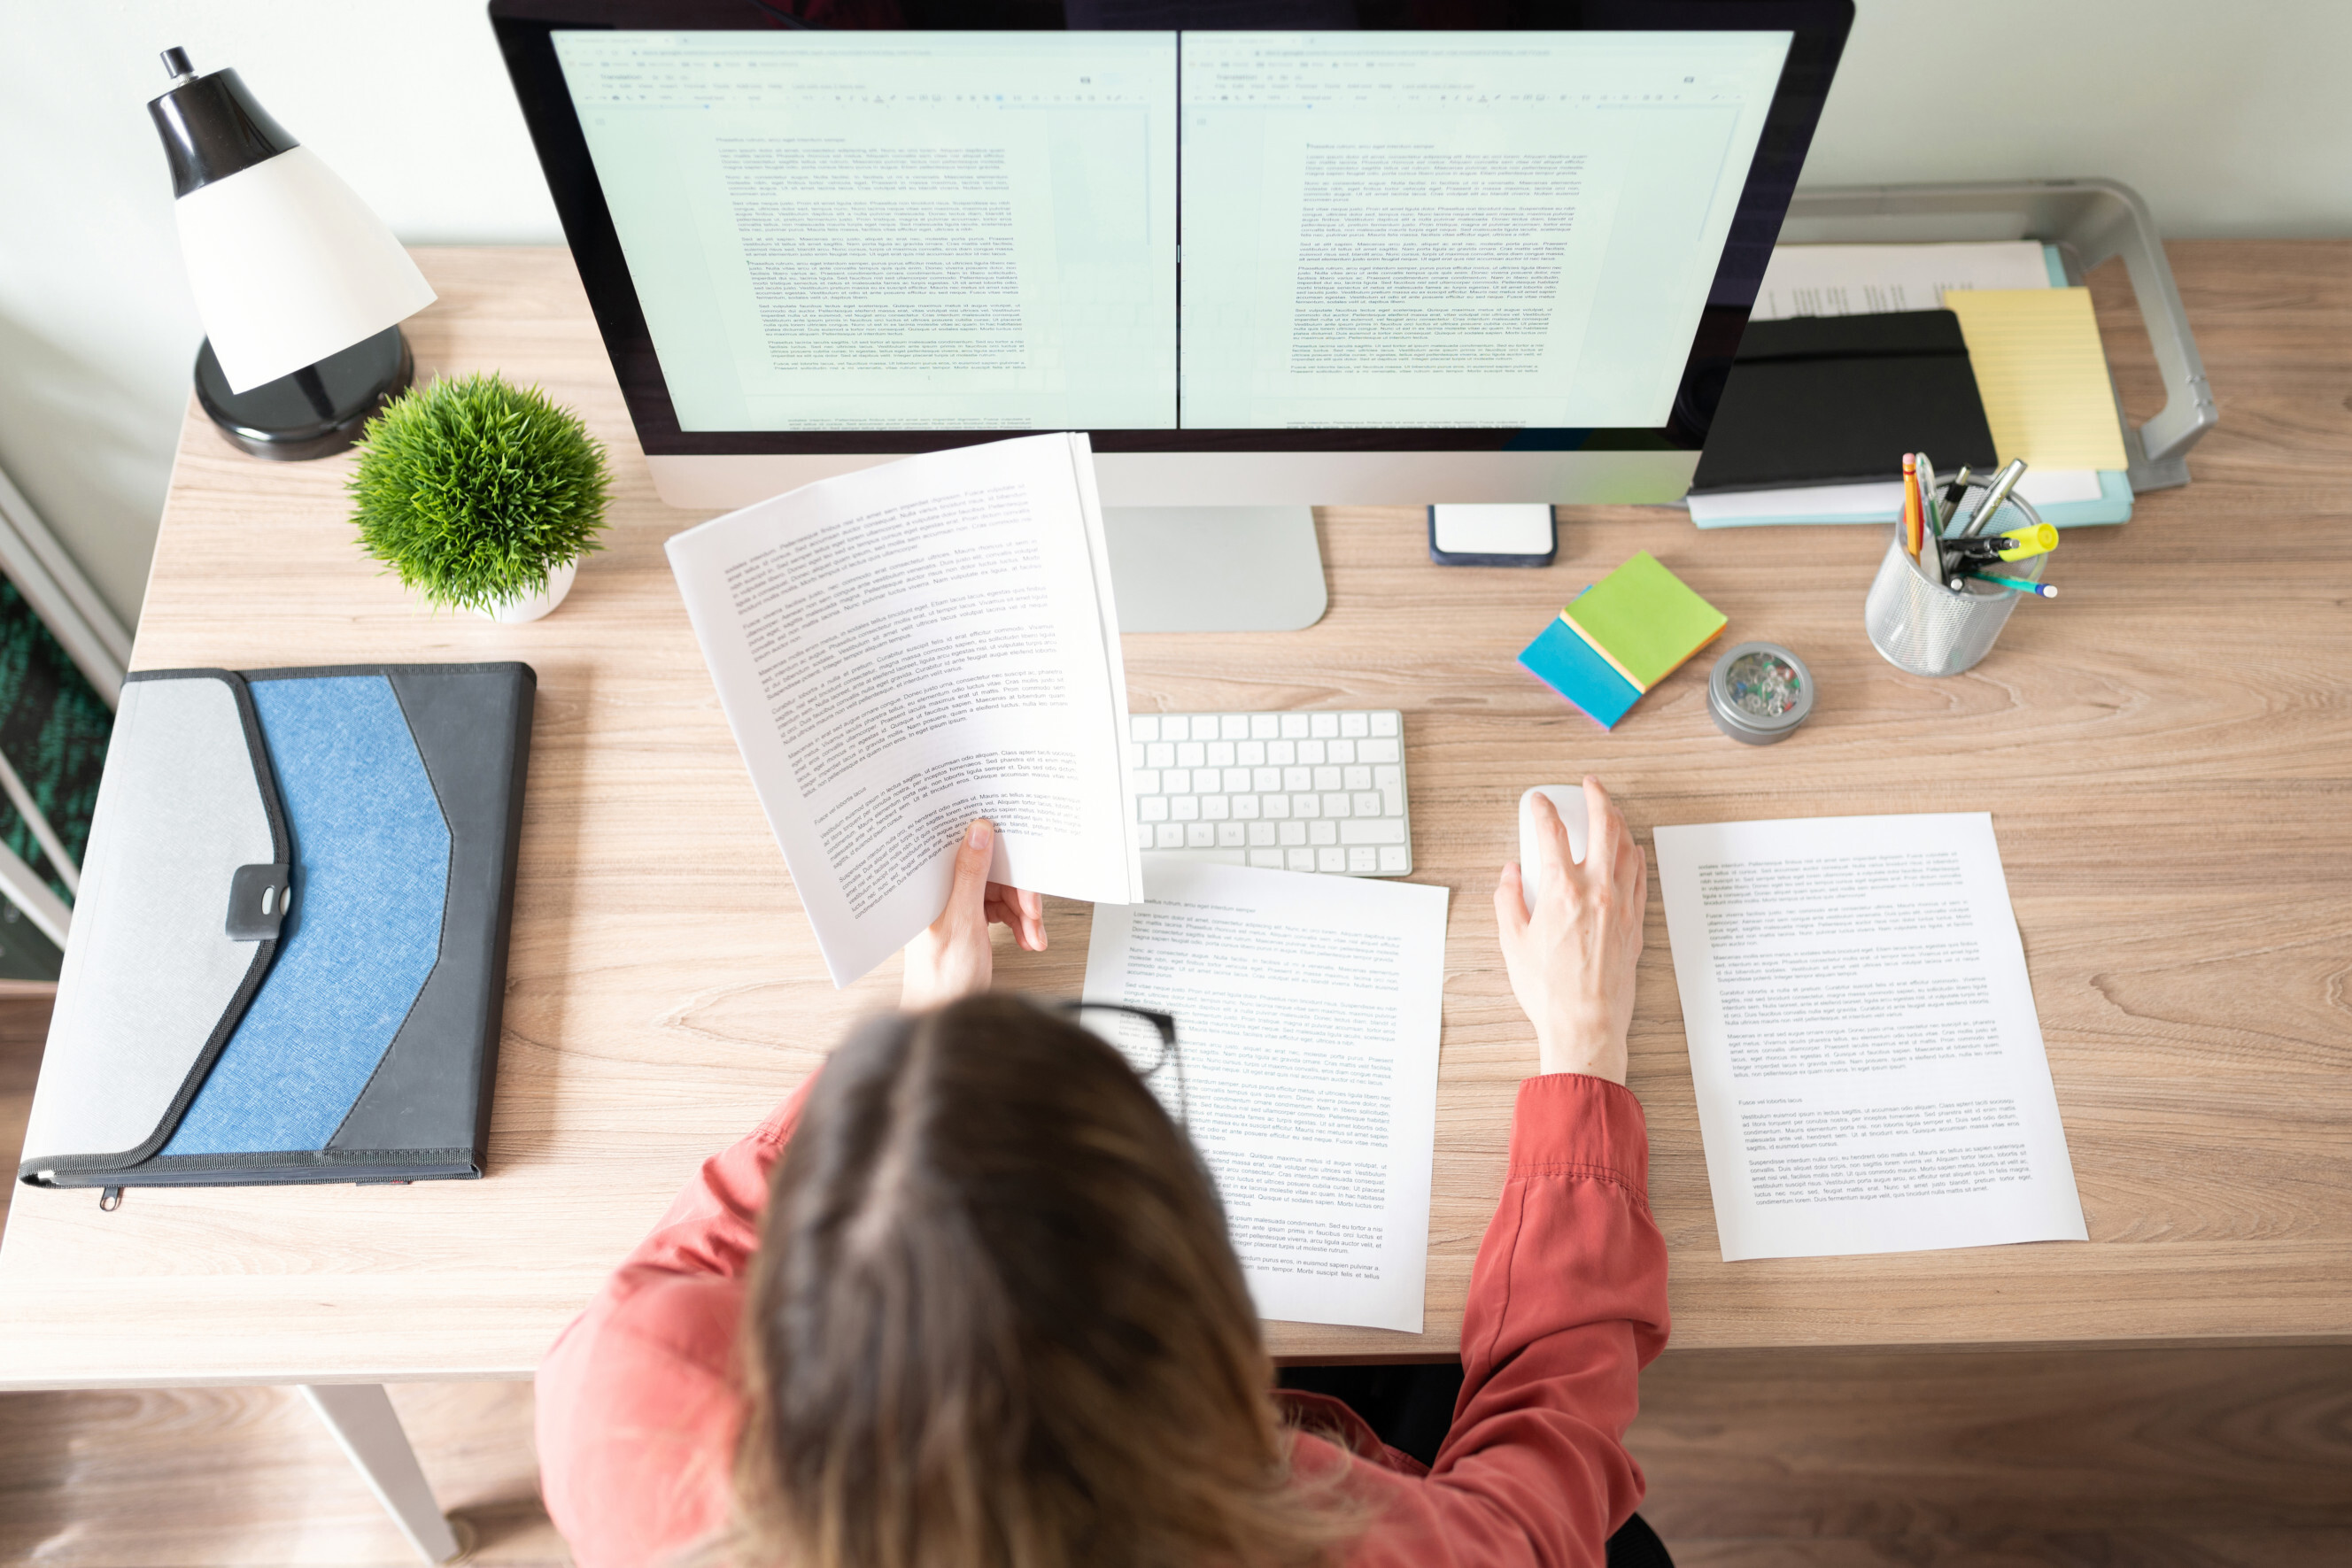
288,952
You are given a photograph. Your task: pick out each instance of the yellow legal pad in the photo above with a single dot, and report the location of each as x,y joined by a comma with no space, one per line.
2042,375
1642,620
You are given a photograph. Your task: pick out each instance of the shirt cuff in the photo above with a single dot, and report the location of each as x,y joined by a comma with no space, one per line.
1572,1123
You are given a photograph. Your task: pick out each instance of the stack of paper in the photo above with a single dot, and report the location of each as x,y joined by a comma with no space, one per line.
1621,637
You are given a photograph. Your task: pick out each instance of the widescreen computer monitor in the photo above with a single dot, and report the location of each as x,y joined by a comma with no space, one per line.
1264,252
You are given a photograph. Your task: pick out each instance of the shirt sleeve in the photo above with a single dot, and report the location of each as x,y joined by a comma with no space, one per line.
1567,1304
636,1407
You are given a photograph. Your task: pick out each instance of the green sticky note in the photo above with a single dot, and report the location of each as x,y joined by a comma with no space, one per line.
1643,619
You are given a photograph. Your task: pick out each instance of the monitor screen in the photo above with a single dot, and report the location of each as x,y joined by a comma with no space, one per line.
870,238
1163,231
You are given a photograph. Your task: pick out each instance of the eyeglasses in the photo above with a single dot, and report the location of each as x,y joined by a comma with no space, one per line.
1123,1026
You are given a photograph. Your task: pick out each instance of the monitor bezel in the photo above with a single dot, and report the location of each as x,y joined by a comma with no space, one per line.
524,29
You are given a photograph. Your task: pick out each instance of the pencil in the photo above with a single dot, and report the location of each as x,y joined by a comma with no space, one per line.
1912,522
2017,584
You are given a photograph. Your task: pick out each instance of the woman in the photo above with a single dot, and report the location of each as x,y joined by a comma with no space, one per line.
966,1301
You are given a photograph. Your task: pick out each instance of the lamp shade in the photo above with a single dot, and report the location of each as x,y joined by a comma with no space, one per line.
288,265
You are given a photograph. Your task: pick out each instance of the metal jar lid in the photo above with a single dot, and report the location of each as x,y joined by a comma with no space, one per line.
1758,692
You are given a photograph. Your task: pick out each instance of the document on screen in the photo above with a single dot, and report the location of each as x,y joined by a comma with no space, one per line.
1305,1070
904,648
1870,1069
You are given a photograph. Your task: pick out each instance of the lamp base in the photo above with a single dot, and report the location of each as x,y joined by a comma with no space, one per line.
318,410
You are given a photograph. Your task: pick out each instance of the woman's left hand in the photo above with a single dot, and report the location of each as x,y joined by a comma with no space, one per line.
951,957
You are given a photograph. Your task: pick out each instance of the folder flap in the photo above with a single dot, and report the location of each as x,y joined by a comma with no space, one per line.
153,980
1893,332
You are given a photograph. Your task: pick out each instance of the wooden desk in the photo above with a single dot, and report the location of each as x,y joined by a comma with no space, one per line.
2166,753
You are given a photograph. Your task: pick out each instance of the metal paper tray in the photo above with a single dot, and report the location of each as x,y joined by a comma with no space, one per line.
2089,221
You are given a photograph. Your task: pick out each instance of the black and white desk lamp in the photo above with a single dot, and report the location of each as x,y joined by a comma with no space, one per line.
301,288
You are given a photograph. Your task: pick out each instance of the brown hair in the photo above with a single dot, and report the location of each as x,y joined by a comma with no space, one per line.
996,1323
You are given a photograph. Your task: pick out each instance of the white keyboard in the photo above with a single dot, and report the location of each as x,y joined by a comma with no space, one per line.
1290,791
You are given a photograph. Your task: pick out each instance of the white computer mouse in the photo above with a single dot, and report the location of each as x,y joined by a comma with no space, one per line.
1568,799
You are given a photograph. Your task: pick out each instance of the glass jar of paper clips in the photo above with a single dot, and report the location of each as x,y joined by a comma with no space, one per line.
1927,624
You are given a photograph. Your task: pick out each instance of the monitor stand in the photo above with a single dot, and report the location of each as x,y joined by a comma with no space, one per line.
1215,569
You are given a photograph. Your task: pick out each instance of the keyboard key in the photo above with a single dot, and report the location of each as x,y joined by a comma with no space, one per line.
1250,752
1190,754
1311,752
1371,831
1159,754
1246,808
1167,836
1264,725
1395,858
1367,803
1326,777
1236,780
1186,808
1336,805
1175,781
1200,836
1215,808
1383,722
1322,833
1355,724
1377,752
1363,861
1269,860
1330,860
1154,807
1293,833
1143,727
1301,859
1266,780
1306,806
1134,755
1145,781
1297,779
1173,727
1232,727
1357,778
1261,835
1229,836
1339,751
1323,725
1275,806
1282,753
1221,754
1294,726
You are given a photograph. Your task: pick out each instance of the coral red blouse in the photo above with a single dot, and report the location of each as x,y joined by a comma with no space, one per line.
637,1415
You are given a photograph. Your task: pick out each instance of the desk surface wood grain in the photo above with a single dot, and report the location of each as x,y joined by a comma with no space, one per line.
2167,754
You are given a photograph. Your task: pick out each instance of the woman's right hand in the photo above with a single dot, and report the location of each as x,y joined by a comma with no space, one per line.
1572,958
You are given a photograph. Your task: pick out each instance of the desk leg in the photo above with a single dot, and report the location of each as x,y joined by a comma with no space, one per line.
362,1417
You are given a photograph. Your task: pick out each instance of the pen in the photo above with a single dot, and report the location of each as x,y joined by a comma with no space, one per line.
2016,543
2002,486
2017,584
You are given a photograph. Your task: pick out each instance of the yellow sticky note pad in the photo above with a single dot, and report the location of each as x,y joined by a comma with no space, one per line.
2042,373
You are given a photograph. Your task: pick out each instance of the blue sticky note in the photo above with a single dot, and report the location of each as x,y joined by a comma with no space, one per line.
1567,664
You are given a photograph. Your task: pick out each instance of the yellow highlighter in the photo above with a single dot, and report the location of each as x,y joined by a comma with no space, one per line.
2037,539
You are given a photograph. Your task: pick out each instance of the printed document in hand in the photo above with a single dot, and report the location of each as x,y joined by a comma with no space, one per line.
1306,1017
1870,1069
904,648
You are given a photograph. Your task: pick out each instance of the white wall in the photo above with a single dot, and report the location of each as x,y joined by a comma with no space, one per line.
2230,118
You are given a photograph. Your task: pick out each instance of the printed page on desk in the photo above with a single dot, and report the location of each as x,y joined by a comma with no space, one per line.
1306,1016
1870,1068
903,649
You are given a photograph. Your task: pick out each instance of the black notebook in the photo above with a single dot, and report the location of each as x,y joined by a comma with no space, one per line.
1837,400
289,954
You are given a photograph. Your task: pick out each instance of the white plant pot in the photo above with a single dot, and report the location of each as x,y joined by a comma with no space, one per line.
513,611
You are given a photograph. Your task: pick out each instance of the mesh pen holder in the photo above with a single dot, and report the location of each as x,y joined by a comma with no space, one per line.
1923,628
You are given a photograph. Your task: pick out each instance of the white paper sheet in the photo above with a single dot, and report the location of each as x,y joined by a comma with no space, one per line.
1879,503
1870,280
903,648
1306,1014
1870,1069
